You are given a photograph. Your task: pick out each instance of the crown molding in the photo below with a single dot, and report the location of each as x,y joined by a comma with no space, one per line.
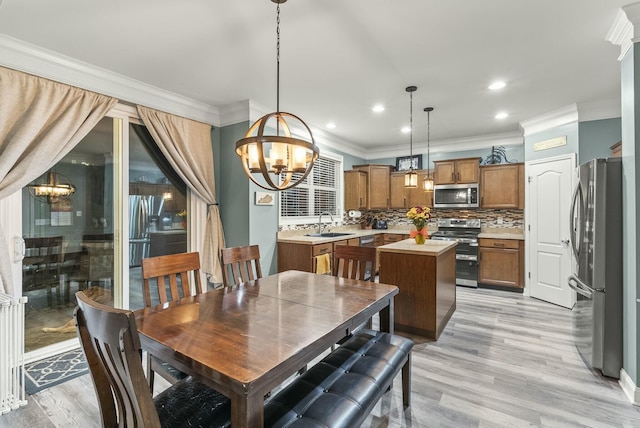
558,117
621,31
231,114
32,59
451,145
603,109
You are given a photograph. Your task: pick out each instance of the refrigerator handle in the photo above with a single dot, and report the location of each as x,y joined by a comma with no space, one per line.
572,232
580,287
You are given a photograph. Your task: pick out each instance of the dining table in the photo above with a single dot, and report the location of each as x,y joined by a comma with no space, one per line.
246,340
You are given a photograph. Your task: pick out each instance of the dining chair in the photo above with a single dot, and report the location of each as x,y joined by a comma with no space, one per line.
350,261
42,265
111,346
171,277
240,264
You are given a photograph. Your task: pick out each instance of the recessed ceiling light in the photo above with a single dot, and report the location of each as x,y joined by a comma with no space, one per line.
378,108
497,85
501,115
405,130
331,125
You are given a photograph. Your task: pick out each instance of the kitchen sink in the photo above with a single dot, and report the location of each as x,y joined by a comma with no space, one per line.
328,234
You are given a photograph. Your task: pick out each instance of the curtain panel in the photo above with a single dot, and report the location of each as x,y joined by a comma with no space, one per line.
40,122
187,146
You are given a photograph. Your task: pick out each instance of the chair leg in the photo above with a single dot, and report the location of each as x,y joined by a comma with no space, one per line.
150,374
406,382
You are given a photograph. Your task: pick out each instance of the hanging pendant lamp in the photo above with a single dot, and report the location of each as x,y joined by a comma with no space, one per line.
411,177
54,188
427,183
270,150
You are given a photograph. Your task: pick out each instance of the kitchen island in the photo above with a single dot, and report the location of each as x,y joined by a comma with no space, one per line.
426,277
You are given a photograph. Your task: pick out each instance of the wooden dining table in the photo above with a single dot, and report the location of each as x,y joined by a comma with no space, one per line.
245,340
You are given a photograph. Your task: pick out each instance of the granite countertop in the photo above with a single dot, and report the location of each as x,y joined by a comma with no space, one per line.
299,236
502,233
408,246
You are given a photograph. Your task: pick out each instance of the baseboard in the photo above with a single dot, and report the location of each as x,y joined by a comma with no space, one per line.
630,389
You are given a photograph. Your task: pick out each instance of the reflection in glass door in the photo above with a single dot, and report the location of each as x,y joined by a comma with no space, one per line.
69,239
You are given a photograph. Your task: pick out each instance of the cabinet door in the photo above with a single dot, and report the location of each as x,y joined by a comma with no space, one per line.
418,196
444,172
501,186
355,190
379,183
467,171
397,192
501,263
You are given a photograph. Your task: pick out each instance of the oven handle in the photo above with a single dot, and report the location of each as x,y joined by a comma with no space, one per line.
466,257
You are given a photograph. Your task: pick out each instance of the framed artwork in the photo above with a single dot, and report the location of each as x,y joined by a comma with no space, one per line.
404,163
264,198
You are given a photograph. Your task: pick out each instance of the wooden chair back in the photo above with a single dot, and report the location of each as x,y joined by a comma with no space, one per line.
111,345
240,264
350,261
180,270
42,262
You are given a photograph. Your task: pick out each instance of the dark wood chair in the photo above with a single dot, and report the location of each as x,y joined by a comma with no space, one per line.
171,277
111,345
41,266
350,261
240,264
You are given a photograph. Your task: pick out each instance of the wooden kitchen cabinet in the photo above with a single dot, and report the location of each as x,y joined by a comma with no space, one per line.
378,185
402,198
502,186
355,190
457,171
293,256
394,237
501,262
616,150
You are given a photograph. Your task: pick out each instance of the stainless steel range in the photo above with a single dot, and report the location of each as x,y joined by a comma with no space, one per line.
465,232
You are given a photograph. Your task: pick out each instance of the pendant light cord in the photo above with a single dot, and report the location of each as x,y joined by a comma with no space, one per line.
278,60
428,142
411,130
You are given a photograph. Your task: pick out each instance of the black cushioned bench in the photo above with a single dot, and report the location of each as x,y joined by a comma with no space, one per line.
342,389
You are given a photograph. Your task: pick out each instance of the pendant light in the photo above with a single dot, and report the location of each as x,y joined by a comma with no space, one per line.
411,177
54,188
269,148
427,183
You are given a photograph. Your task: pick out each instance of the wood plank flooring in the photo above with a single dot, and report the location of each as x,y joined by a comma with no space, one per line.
503,360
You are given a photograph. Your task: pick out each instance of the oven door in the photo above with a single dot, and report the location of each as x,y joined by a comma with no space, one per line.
467,263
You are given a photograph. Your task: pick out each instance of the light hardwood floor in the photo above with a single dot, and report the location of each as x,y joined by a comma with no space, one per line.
504,360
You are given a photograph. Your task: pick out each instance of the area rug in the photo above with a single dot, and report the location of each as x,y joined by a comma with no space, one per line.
54,370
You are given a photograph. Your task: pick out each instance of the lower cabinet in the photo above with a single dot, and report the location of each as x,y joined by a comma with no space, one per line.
394,237
501,262
167,242
309,258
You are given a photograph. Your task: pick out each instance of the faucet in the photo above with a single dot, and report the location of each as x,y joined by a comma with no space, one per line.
320,220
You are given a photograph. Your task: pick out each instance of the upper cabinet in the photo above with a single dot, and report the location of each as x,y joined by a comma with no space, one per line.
502,186
355,190
378,185
457,171
616,150
402,198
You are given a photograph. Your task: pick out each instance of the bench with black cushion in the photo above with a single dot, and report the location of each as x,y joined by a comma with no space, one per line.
342,389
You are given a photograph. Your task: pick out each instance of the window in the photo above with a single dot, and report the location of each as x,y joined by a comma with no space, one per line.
321,191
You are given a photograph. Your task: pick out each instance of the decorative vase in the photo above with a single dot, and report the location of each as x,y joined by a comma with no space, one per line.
420,238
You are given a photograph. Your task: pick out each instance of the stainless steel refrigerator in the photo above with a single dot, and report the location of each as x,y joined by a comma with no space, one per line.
596,241
144,212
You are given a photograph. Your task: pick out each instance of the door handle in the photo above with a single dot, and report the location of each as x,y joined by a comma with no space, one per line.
579,287
565,242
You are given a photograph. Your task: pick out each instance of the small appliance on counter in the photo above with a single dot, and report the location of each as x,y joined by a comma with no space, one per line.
379,224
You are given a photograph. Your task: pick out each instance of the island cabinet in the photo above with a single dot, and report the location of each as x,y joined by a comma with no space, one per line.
426,278
402,198
355,190
378,185
457,171
501,262
502,186
297,256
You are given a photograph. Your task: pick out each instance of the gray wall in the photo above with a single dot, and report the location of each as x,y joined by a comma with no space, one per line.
571,132
597,137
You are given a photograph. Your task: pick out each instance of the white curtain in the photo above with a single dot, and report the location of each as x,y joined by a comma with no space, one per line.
40,122
187,146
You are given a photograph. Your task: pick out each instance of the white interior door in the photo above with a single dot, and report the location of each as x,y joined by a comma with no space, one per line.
549,186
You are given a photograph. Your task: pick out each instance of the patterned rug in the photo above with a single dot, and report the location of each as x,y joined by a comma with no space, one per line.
54,370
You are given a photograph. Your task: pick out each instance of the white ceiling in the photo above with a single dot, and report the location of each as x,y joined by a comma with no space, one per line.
340,57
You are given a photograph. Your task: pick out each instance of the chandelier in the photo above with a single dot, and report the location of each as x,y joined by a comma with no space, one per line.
270,150
55,188
411,177
427,183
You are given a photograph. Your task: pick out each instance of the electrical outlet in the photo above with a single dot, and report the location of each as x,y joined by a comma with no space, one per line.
499,220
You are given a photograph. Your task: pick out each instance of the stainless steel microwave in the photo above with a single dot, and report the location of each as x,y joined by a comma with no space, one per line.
455,196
